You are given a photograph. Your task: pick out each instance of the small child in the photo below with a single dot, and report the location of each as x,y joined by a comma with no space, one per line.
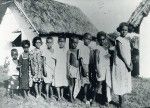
24,63
61,68
37,65
73,68
103,65
49,66
11,64
85,61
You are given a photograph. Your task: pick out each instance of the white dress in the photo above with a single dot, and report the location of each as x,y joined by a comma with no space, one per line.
121,77
49,65
61,68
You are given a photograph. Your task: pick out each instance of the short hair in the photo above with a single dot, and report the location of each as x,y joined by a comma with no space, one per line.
35,39
73,37
25,42
61,37
121,25
49,37
87,35
101,33
14,50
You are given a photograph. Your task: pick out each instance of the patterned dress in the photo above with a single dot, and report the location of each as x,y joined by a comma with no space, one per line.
37,63
121,77
24,72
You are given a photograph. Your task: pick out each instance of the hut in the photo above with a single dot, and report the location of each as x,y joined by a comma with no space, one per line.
46,17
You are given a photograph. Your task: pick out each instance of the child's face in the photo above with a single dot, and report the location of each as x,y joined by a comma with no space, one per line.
124,31
87,41
49,43
61,42
102,40
14,55
26,48
38,44
75,43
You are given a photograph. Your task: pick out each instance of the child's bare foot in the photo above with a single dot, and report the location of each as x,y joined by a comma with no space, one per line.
63,99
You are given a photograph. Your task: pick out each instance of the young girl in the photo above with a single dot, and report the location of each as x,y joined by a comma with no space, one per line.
103,65
61,68
24,63
37,65
11,64
121,74
50,63
73,68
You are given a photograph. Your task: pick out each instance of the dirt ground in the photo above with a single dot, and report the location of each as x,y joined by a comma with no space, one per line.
139,98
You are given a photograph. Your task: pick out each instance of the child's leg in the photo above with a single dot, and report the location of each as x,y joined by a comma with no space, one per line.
51,90
120,100
71,89
47,89
58,92
36,88
40,88
62,93
85,92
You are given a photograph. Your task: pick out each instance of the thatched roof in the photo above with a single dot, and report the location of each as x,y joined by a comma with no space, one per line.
141,11
51,16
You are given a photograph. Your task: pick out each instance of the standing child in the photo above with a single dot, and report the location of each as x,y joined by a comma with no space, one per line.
12,66
61,68
50,63
85,61
73,68
37,65
103,65
24,64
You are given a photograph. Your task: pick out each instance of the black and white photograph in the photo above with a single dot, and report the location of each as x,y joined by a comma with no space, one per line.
74,54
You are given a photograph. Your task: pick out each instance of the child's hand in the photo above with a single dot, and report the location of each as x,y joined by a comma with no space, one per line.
45,74
98,75
107,56
33,73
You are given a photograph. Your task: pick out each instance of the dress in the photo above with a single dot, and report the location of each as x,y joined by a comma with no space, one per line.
121,77
36,57
49,65
24,72
13,81
60,76
85,55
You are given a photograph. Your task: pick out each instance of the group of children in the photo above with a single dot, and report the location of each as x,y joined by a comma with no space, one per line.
77,67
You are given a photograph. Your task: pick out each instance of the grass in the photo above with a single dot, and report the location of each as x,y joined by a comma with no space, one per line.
139,98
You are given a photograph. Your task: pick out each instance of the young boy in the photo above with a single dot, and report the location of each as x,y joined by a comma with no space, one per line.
61,68
73,68
11,64
85,61
37,65
103,66
49,65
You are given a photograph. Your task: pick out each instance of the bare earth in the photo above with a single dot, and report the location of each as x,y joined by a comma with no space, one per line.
139,98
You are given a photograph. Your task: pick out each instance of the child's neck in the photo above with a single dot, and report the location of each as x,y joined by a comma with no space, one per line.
49,48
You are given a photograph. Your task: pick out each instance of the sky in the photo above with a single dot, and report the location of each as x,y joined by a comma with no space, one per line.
105,14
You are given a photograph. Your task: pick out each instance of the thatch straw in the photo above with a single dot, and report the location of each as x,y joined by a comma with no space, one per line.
51,16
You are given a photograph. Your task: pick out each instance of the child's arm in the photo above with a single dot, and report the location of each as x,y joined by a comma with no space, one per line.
97,63
68,63
44,63
32,65
6,64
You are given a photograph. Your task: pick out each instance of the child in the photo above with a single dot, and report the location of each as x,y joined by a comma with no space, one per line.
85,58
50,62
37,65
73,68
61,68
12,66
103,64
24,64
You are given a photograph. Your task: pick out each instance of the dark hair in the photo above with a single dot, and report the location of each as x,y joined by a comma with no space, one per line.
49,37
87,35
14,50
25,42
101,33
61,37
73,37
122,25
35,39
